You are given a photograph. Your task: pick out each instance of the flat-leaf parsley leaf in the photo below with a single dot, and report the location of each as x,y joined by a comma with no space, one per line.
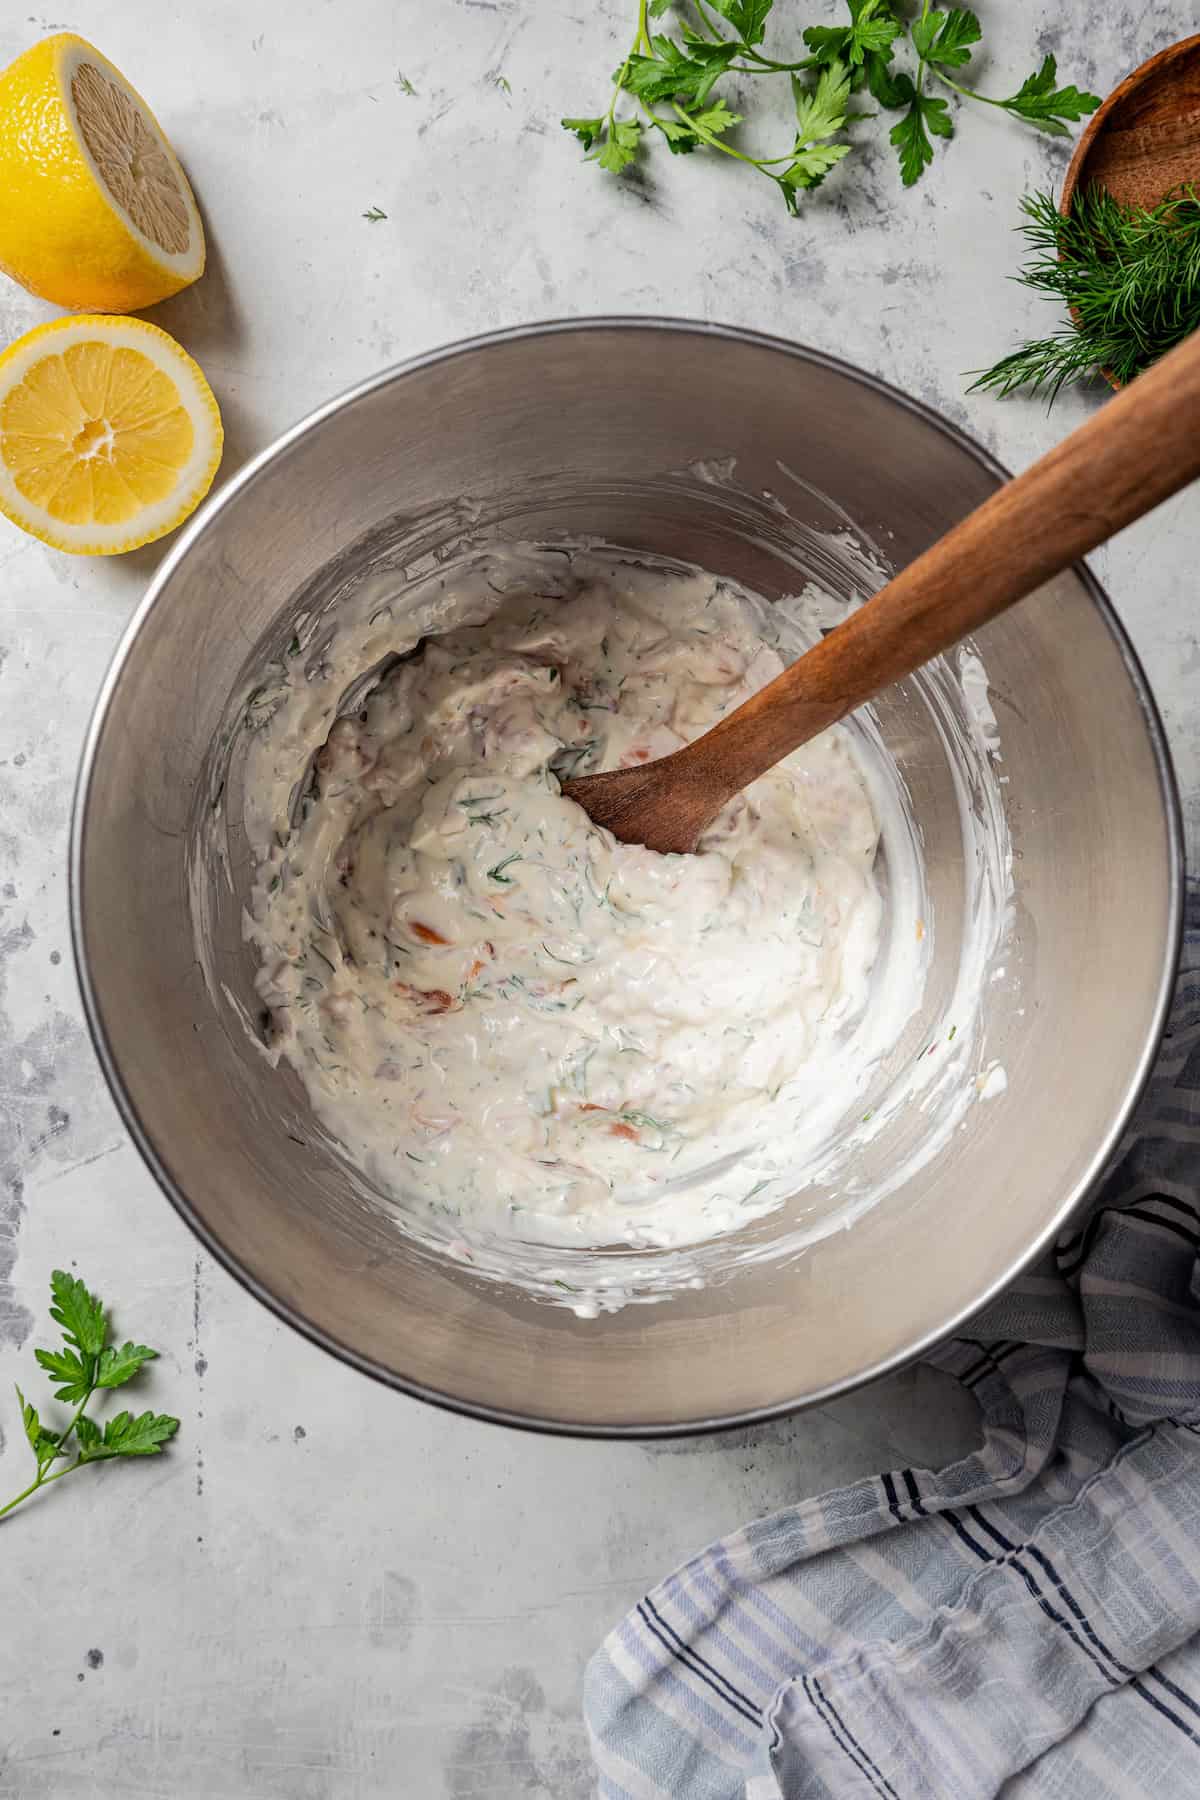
87,1362
911,136
669,80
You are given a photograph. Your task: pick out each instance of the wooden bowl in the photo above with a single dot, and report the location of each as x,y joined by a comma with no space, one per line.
1145,139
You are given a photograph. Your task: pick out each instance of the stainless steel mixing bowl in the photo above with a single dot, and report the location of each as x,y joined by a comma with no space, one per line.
580,421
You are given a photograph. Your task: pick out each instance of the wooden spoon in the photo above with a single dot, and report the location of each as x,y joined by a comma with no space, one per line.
1138,450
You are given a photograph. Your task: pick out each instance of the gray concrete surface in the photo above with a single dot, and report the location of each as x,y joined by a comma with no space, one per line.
325,1591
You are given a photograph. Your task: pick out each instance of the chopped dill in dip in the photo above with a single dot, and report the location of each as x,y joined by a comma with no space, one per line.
499,1011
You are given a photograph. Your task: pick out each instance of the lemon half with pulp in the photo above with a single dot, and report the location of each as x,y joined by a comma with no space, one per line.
109,434
95,211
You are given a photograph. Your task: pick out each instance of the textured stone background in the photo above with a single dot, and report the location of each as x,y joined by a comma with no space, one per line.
326,1590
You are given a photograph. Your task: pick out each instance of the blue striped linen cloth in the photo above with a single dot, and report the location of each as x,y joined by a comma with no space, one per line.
1024,1623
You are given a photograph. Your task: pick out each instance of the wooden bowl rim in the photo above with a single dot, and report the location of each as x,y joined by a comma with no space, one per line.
1099,119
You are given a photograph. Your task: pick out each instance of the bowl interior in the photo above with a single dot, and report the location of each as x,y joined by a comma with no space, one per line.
748,458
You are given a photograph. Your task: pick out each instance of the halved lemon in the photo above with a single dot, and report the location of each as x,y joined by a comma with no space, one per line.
109,434
95,211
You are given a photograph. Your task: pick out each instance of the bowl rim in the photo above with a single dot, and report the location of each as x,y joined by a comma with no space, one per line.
205,519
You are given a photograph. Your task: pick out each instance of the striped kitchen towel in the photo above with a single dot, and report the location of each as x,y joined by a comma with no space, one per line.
1023,1623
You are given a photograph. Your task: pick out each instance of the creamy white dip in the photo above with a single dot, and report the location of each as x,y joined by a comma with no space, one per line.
500,1012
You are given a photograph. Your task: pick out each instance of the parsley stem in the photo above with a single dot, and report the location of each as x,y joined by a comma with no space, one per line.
41,1482
970,93
920,81
767,66
641,41
63,1436
31,1489
44,1480
707,25
693,124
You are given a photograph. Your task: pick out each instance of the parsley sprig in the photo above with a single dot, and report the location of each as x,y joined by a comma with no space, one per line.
86,1364
670,80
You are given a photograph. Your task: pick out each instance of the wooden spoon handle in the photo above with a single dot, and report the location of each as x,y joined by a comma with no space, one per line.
1140,448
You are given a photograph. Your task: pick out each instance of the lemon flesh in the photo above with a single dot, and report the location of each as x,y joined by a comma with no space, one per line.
109,434
95,211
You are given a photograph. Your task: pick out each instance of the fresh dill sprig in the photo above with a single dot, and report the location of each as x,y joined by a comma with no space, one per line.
1129,277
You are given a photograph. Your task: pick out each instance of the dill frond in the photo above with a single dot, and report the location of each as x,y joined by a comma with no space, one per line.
1129,277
